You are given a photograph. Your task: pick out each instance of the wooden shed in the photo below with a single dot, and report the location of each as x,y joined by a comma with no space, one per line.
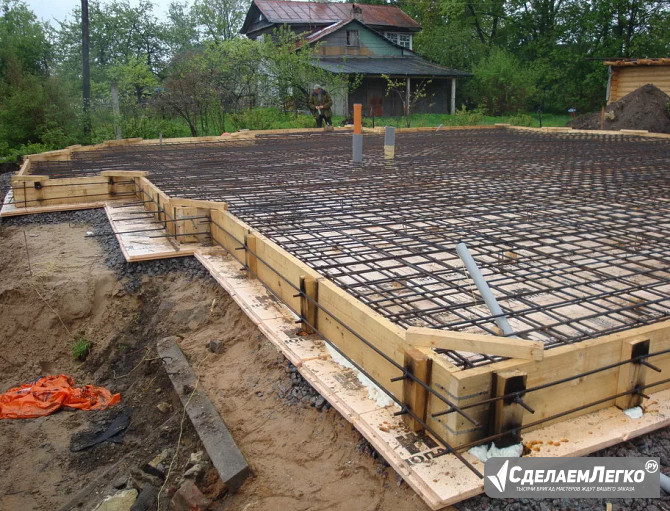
627,75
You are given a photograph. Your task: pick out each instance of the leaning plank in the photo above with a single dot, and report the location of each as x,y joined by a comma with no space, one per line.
475,343
219,443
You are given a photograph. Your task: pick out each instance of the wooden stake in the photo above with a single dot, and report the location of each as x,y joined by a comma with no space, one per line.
507,414
309,288
251,259
415,396
631,374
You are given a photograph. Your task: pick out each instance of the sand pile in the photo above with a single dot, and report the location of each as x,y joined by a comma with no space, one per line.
647,108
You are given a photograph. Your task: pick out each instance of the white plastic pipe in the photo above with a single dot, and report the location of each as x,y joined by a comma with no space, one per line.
484,289
665,483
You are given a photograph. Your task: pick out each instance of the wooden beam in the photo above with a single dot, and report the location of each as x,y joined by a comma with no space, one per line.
124,173
415,396
633,373
475,343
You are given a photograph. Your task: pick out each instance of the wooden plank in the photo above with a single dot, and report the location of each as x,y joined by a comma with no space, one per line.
281,271
362,322
631,374
415,396
141,246
475,343
229,233
197,203
25,167
216,438
124,173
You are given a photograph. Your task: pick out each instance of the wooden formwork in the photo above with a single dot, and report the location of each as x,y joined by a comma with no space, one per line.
532,388
380,348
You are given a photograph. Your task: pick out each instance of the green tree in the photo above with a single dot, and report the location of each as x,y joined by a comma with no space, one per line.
503,84
33,106
221,19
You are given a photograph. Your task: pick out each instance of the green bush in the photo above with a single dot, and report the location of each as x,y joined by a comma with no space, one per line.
269,118
503,84
465,117
521,120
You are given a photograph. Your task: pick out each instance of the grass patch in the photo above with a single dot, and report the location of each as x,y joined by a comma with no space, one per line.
81,348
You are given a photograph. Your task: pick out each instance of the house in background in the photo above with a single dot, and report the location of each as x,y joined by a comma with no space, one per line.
365,40
627,75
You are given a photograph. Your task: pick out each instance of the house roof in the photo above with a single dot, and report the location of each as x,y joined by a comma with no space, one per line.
637,62
396,66
284,11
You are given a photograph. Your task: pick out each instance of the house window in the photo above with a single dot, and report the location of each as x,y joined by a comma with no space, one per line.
400,38
352,38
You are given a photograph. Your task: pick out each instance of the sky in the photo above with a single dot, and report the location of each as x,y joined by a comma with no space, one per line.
50,10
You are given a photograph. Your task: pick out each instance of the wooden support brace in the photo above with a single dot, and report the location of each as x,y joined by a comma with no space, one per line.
309,288
415,396
250,256
633,373
422,337
507,414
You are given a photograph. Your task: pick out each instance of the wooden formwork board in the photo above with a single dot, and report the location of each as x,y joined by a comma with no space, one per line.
439,478
9,207
143,246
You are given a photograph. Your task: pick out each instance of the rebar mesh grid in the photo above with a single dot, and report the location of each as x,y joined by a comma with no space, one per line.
570,230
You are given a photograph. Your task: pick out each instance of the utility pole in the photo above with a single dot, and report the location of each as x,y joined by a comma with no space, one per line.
85,70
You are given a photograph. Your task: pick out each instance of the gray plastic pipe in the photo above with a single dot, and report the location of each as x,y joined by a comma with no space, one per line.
484,289
665,483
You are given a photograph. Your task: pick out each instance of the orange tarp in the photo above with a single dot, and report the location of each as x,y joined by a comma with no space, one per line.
51,393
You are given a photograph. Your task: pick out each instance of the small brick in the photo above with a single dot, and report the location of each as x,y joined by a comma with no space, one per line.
189,498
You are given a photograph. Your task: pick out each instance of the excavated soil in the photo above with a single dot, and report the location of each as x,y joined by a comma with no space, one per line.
647,108
303,456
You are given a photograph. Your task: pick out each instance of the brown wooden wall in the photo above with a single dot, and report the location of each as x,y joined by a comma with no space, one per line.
627,79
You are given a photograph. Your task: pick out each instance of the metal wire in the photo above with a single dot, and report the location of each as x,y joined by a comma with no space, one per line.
570,230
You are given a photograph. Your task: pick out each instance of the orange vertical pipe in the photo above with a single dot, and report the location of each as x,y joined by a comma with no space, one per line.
358,119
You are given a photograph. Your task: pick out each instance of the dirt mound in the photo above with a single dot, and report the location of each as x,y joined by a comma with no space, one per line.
647,108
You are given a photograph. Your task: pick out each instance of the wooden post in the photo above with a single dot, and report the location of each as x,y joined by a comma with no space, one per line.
507,414
250,255
631,374
602,117
415,396
453,96
309,288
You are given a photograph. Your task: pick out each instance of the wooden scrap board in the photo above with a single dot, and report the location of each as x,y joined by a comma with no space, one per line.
439,478
146,245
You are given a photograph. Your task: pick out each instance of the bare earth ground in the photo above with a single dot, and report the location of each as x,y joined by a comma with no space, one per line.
302,458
